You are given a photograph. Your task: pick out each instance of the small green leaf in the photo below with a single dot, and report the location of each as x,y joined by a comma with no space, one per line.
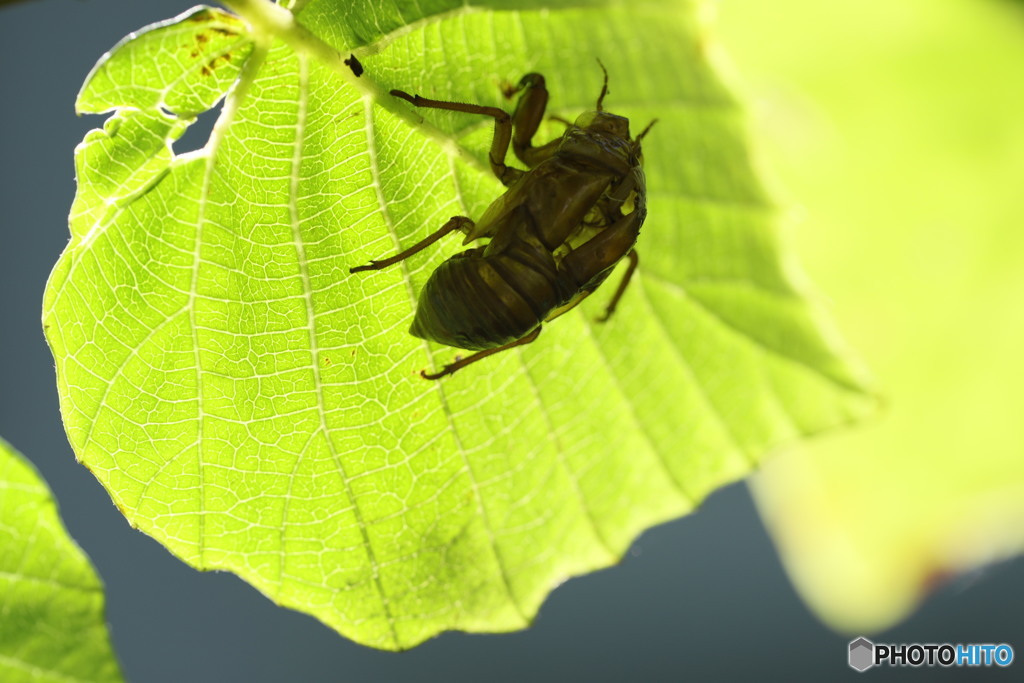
51,601
257,408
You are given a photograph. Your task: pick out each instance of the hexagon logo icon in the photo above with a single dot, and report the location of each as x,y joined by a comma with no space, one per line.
862,654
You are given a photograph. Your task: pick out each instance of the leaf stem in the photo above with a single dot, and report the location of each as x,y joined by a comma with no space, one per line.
268,21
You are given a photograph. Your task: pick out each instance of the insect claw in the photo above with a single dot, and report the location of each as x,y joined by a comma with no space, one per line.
435,375
372,265
404,95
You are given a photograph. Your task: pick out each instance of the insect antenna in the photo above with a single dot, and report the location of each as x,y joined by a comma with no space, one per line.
604,87
644,131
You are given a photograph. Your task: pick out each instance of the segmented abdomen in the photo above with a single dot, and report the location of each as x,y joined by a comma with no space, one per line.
476,302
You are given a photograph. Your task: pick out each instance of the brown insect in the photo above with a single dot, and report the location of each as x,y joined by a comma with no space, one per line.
555,234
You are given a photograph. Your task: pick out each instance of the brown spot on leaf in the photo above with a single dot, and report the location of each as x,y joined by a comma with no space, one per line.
208,68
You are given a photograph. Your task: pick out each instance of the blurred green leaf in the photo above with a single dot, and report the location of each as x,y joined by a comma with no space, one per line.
900,128
51,601
256,408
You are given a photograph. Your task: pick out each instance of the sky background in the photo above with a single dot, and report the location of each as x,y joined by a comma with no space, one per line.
702,597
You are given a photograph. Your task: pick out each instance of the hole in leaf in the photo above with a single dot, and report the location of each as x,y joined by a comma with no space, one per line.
197,134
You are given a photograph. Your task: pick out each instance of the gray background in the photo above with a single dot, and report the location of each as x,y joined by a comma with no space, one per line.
702,598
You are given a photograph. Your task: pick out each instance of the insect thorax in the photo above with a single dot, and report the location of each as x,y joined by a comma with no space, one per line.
604,142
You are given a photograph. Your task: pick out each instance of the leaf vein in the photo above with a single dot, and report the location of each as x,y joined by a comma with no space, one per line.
631,412
456,437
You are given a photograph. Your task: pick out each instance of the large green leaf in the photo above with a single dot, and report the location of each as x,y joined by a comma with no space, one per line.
256,408
909,166
51,601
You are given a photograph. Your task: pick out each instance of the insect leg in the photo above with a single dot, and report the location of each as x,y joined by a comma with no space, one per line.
526,119
480,355
616,197
502,130
634,260
455,223
588,265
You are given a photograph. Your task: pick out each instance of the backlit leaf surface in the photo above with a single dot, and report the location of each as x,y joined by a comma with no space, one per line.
257,408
